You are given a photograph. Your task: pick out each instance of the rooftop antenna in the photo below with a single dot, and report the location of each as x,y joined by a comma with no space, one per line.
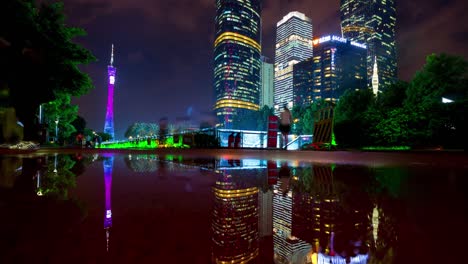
112,56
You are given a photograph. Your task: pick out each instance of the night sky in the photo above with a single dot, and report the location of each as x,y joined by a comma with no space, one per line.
163,49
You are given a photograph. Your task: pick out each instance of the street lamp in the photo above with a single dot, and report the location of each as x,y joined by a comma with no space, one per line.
56,129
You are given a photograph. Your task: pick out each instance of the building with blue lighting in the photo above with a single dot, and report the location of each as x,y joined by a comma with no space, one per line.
373,23
338,65
109,122
237,62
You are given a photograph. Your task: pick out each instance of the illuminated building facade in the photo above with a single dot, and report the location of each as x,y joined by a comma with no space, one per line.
109,123
373,23
293,44
267,91
108,165
303,82
237,63
287,248
338,65
235,233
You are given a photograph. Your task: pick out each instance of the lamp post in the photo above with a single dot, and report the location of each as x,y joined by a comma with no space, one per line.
56,129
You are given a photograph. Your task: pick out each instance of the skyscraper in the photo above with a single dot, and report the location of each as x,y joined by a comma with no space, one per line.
373,23
109,123
237,60
267,76
293,44
338,65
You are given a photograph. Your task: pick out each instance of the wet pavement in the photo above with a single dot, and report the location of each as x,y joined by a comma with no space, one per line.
225,206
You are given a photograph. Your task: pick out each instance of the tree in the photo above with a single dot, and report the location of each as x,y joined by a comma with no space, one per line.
297,112
386,120
142,130
262,117
442,75
40,59
351,129
79,124
62,111
104,136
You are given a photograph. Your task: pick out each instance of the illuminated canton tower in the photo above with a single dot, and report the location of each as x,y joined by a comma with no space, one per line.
111,70
108,164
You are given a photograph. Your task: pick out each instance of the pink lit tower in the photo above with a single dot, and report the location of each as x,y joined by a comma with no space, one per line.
111,70
108,165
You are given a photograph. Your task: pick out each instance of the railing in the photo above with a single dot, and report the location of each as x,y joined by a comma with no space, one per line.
248,138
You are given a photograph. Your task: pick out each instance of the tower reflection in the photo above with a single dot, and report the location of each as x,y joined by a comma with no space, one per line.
235,230
332,213
108,164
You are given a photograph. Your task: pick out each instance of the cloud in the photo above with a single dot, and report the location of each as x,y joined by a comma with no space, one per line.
135,57
431,28
181,14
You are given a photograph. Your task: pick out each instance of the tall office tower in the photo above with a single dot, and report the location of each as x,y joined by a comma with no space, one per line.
111,71
267,77
373,23
338,65
287,248
265,215
293,44
237,62
235,221
108,165
303,82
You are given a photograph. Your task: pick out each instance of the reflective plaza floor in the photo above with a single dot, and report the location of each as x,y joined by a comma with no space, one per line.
231,207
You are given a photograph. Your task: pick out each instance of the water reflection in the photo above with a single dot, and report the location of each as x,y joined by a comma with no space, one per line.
311,212
108,164
241,210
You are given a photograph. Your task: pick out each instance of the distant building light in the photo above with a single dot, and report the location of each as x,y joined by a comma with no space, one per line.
446,100
111,79
340,39
358,45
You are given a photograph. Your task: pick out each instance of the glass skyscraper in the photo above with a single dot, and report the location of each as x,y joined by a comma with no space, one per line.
237,61
373,22
293,44
339,65
267,74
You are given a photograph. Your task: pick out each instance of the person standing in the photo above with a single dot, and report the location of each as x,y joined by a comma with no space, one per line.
285,125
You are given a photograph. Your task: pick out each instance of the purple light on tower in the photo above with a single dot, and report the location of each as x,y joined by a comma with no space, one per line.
111,70
108,164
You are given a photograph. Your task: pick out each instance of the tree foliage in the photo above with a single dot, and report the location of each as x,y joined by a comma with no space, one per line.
142,130
62,111
262,117
38,58
411,114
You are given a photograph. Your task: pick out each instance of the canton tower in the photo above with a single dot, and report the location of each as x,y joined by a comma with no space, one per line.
108,164
111,70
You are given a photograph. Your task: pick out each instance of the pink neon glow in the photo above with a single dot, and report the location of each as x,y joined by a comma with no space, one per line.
109,124
108,164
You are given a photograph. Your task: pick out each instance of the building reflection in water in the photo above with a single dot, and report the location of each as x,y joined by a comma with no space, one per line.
108,164
287,247
235,222
330,215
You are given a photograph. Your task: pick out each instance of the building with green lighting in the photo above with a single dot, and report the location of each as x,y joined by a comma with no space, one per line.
373,23
237,62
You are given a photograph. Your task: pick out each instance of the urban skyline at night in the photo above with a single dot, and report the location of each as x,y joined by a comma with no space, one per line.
167,78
